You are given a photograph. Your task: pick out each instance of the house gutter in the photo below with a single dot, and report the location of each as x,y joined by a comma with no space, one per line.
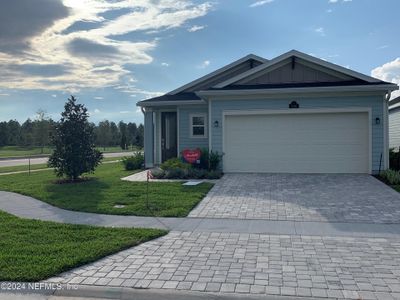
166,103
245,92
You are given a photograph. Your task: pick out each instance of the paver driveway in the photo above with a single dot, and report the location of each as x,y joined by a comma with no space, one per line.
300,197
339,267
295,265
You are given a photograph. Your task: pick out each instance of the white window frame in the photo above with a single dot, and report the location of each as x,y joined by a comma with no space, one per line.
202,115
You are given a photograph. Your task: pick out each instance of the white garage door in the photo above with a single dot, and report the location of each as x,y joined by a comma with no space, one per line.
297,143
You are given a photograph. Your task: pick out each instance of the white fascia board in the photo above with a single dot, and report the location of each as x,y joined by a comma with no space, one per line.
165,103
356,88
303,56
217,72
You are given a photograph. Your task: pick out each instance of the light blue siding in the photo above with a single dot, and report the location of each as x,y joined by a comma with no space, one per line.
148,139
394,128
185,141
374,102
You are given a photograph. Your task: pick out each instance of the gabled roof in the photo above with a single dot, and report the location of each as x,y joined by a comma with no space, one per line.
219,72
301,55
245,77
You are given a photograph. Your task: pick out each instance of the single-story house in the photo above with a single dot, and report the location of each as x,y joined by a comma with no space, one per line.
394,123
291,114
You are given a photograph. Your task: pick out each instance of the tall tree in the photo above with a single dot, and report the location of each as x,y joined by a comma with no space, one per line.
3,134
41,129
74,152
14,133
27,133
103,134
122,127
115,136
140,136
131,133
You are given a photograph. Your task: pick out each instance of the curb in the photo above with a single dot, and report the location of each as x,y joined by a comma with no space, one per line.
102,292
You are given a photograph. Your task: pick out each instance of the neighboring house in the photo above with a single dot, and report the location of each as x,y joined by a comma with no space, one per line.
394,123
294,113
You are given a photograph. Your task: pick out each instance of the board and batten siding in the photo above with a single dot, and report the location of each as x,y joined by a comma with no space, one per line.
394,128
375,102
185,141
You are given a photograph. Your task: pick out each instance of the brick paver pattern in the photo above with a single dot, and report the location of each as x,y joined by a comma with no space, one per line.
352,268
301,197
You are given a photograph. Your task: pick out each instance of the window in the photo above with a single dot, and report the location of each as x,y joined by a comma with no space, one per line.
198,126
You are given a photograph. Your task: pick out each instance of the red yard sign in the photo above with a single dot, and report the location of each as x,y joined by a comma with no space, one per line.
191,156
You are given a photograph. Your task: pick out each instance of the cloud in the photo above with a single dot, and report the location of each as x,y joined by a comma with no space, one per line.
333,1
320,31
389,72
204,64
383,47
98,98
164,64
196,28
124,112
4,95
260,3
329,11
51,51
54,96
96,111
23,19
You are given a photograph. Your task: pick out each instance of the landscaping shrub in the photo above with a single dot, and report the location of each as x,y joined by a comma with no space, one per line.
176,173
175,163
214,160
196,174
392,176
204,159
158,174
133,162
213,175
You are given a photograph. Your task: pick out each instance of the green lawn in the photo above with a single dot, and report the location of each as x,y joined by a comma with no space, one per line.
33,250
105,190
43,166
17,151
22,168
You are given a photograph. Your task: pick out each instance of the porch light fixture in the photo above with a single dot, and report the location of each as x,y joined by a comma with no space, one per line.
216,124
294,104
377,121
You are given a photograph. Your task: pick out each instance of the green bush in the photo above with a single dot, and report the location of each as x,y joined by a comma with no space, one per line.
204,159
175,174
392,176
214,160
214,175
196,174
133,162
158,174
175,163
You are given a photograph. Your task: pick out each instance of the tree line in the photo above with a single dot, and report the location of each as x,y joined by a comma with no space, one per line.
38,132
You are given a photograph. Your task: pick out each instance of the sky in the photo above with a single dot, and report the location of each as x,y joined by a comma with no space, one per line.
112,53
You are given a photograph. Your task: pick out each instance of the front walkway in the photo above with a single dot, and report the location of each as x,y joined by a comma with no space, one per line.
301,197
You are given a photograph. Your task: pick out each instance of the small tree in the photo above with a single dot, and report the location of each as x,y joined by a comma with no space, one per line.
74,152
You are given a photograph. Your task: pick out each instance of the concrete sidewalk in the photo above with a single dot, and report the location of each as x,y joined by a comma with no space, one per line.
28,207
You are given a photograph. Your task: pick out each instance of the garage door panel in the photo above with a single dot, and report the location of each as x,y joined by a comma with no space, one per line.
297,143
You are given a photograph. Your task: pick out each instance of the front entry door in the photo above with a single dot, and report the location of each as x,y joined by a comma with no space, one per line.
168,135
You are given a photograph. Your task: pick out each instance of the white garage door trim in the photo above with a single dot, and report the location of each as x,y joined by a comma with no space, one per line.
303,111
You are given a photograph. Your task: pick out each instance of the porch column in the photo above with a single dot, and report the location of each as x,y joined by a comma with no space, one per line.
148,138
